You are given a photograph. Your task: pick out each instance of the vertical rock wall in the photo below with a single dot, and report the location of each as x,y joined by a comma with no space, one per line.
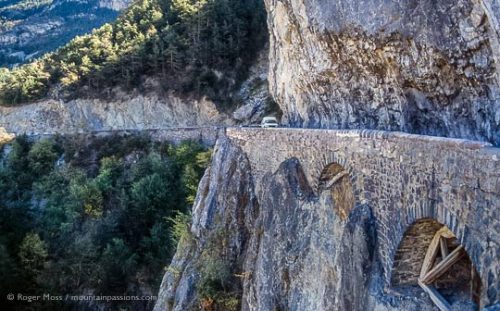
223,220
420,66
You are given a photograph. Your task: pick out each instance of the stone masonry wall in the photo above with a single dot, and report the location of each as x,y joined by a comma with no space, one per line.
402,178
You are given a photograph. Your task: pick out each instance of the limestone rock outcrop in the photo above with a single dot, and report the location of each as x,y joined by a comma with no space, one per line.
301,260
225,203
139,112
419,66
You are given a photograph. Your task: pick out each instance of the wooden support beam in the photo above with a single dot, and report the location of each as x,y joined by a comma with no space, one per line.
430,274
436,297
445,232
335,178
443,266
430,256
433,249
444,247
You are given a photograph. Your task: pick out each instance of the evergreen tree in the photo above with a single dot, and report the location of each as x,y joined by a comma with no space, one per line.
32,253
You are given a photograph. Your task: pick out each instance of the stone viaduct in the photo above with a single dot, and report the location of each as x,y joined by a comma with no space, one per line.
402,178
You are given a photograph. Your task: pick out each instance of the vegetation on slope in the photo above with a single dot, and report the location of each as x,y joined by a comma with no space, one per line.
30,28
25,5
92,218
194,46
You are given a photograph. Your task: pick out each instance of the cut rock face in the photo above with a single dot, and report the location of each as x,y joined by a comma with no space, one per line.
424,66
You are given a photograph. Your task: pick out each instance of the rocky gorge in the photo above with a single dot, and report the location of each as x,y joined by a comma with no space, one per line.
270,237
392,111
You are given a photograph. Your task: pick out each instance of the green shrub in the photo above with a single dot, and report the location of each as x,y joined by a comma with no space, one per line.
215,278
218,286
42,157
181,228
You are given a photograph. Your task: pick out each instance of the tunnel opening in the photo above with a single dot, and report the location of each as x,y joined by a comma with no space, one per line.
335,179
430,258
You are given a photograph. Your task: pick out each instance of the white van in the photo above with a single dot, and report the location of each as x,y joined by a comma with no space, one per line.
269,122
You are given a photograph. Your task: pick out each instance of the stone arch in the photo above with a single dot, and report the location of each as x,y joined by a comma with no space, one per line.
336,179
393,227
431,257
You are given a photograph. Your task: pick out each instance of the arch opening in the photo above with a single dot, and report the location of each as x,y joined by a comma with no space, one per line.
335,179
430,258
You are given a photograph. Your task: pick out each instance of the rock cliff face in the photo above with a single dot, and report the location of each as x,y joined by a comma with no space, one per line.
425,66
124,112
225,202
301,261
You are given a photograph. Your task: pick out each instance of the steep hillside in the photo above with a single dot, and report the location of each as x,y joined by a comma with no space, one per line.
30,28
149,108
196,48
